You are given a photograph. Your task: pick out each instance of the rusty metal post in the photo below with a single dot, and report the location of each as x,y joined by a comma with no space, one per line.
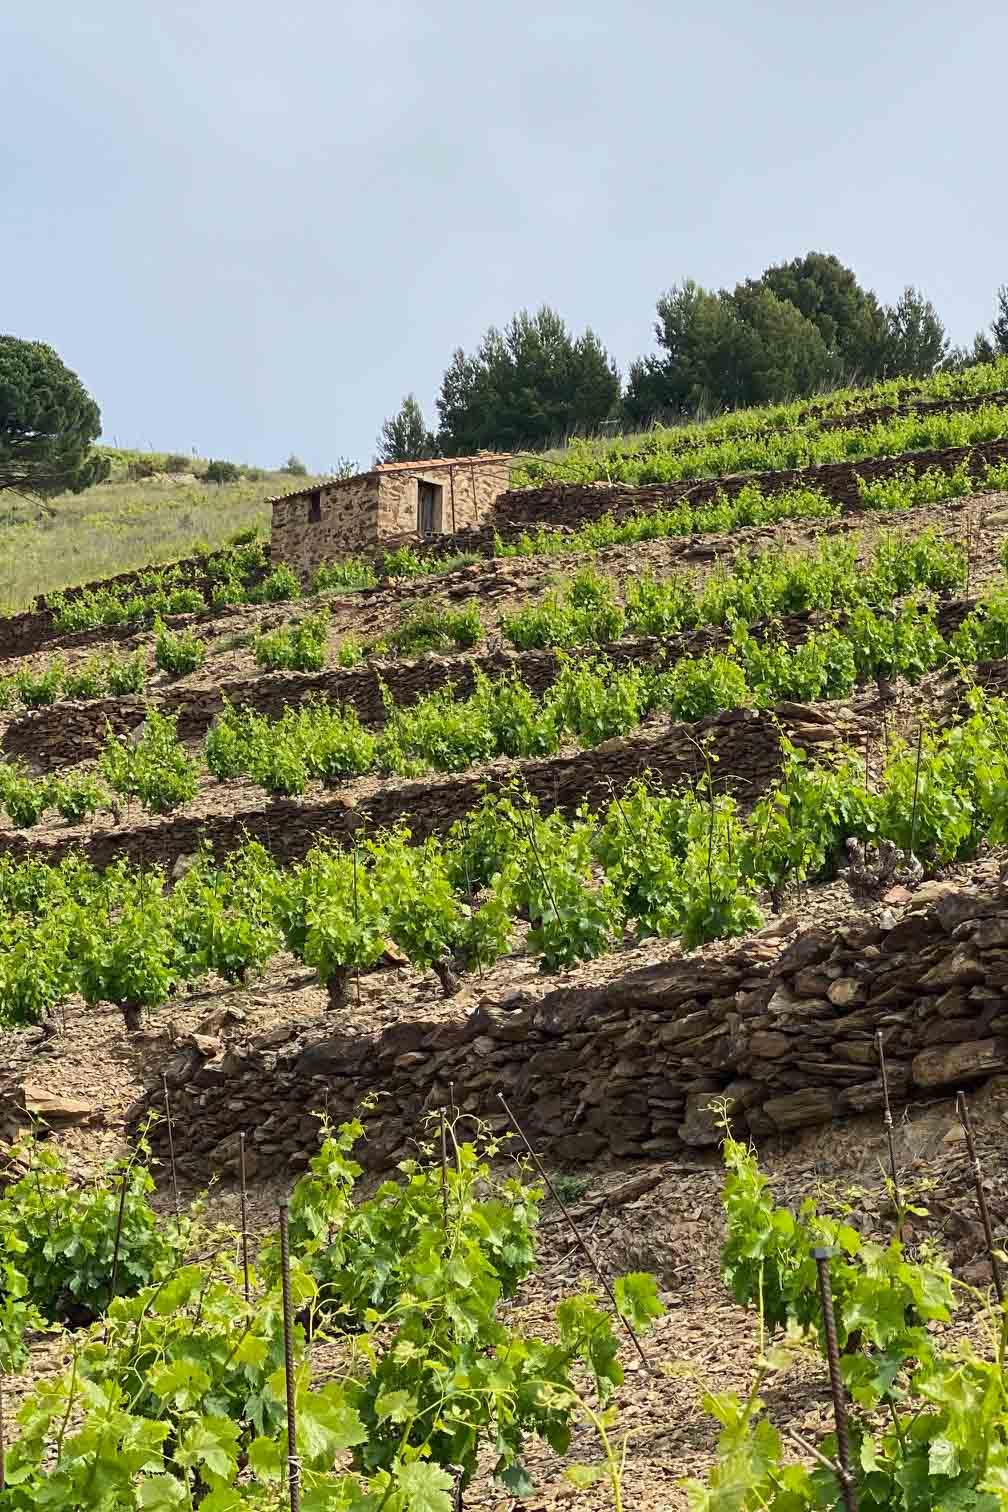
171,1151
444,1173
293,1464
118,1230
244,1211
887,1116
822,1259
916,792
967,1128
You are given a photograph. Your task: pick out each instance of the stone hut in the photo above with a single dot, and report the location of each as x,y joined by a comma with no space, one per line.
393,503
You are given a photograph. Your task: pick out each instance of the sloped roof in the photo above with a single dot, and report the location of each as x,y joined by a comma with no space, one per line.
431,464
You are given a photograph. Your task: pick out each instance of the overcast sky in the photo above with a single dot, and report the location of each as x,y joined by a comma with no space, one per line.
252,228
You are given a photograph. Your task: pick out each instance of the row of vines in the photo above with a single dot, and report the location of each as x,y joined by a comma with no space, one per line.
196,1373
591,700
682,864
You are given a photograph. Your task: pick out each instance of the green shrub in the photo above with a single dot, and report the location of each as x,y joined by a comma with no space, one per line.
157,769
36,690
295,467
354,572
78,797
227,593
222,472
138,468
245,537
126,674
175,462
403,563
84,681
281,584
24,798
435,627
104,1225
703,685
177,652
178,601
297,647
350,652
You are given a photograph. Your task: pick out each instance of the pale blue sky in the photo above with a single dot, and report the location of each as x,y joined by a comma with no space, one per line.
252,228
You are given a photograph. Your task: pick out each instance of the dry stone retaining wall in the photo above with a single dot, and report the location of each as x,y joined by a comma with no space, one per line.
569,505
783,1030
65,733
744,743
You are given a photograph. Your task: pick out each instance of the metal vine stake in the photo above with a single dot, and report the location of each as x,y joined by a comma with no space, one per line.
118,1230
848,1489
888,1120
916,791
967,1128
293,1463
244,1212
444,1173
171,1151
582,1243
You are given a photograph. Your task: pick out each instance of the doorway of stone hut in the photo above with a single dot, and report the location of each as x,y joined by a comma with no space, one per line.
429,497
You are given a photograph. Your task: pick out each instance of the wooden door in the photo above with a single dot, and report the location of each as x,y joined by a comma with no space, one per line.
428,510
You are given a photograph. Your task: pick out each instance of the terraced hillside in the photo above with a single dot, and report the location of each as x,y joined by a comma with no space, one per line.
668,791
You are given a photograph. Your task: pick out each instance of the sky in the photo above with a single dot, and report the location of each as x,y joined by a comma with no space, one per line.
252,228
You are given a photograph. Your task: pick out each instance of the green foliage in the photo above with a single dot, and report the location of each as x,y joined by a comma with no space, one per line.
749,507
297,647
352,572
98,608
436,627
585,612
295,467
183,1382
25,798
281,584
313,741
221,916
48,422
403,562
983,634
529,385
60,1236
660,457
86,680
928,1421
221,472
78,797
404,436
351,652
156,769
227,593
178,653
126,674
698,686
35,690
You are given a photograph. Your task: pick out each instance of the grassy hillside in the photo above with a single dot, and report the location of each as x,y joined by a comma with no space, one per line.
131,521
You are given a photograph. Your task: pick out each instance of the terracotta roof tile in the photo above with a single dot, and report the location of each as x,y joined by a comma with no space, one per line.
430,464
